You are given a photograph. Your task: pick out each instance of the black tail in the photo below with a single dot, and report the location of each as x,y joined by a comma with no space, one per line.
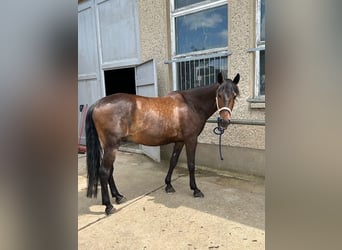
93,154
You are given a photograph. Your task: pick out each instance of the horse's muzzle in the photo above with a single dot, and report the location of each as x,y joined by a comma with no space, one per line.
224,123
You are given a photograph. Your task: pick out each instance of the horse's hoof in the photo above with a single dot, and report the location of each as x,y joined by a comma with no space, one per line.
169,189
109,209
198,194
120,199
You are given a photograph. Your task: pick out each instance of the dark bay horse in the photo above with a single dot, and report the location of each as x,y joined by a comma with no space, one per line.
178,117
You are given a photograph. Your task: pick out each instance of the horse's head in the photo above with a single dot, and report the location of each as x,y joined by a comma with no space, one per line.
225,98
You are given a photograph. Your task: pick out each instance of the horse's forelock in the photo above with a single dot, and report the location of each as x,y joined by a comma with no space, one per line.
228,84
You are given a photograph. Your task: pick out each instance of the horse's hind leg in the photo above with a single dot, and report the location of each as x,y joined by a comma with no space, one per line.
104,171
177,149
190,154
119,198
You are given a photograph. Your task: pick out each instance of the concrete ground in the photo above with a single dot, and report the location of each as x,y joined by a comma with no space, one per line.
230,216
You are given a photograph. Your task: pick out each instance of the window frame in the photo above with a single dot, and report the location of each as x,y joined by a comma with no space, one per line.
260,45
186,10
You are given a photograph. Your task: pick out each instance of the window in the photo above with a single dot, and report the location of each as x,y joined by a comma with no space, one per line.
182,3
199,42
259,54
260,50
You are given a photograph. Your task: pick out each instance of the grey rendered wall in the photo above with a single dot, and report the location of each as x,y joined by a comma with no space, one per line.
155,39
244,145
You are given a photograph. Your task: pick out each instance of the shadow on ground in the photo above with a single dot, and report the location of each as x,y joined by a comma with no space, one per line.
232,197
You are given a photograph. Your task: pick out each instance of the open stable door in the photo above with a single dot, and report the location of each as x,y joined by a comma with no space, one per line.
146,85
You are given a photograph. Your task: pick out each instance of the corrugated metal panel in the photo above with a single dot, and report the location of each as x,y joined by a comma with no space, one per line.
89,87
87,46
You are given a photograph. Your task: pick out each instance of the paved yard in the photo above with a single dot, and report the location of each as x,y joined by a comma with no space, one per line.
230,216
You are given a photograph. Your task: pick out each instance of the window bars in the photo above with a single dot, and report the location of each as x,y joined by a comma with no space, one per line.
201,70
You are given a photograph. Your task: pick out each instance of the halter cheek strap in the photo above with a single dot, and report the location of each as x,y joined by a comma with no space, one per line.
223,108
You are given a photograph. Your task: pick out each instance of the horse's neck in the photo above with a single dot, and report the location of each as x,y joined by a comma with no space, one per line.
204,100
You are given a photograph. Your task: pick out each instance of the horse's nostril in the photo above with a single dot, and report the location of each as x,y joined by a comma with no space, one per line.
225,123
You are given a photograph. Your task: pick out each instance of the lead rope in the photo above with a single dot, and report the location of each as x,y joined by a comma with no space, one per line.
219,131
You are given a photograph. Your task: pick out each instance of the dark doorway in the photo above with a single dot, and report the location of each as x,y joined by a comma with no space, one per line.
120,81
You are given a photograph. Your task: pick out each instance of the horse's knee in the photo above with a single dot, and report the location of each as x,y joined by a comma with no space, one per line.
173,160
191,167
173,163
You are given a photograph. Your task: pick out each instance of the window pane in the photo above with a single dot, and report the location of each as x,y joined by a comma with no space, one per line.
262,73
201,72
202,30
262,21
182,3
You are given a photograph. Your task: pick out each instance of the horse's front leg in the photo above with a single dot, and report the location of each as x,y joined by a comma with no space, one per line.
190,153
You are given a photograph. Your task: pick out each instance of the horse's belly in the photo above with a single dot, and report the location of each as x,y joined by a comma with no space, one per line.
151,141
155,136
156,123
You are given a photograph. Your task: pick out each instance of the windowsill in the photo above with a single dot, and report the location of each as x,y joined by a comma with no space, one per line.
257,102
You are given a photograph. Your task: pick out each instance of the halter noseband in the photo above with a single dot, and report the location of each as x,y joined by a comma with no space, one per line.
223,108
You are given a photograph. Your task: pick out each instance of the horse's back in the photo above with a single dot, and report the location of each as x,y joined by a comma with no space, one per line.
144,120
157,120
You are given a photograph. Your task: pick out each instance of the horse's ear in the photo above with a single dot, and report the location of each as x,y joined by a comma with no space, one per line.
220,78
236,78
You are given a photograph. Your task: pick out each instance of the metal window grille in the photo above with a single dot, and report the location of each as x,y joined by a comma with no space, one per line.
192,69
199,71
